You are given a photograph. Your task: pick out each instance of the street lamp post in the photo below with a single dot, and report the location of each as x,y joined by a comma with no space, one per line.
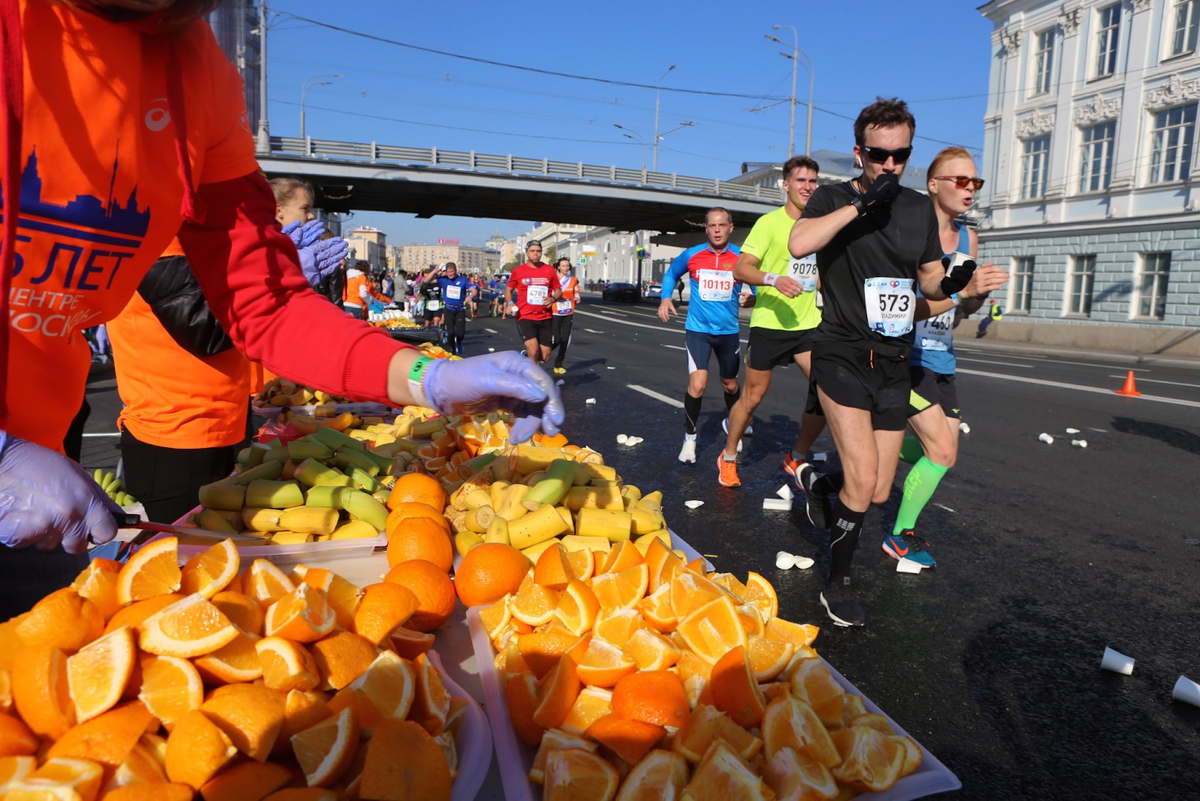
635,136
657,97
304,91
794,56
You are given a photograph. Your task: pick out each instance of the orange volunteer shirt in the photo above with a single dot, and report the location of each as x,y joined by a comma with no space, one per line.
174,399
101,188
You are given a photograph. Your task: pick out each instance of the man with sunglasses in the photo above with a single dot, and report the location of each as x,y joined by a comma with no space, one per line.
876,242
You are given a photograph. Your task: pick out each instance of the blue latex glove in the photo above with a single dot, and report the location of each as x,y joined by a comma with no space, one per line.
47,500
497,382
320,260
102,339
305,234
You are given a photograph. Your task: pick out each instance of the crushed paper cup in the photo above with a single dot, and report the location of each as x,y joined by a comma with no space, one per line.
560,382
610,368
908,566
1046,438
491,350
590,400
1116,661
693,504
631,441
622,439
777,504
964,428
1187,691
804,563
785,492
819,457
784,560
1071,430
1079,443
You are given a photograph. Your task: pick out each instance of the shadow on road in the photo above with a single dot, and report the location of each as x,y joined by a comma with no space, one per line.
1170,435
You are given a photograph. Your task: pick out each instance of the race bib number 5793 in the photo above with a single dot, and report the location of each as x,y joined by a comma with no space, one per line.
891,304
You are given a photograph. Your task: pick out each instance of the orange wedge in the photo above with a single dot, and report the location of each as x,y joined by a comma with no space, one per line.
660,774
196,750
661,564
533,603
98,584
871,760
286,665
171,687
541,649
735,690
796,775
232,663
760,593
650,650
341,658
97,674
657,610
61,777
138,611
62,620
590,705
557,694
302,615
15,768
556,740
431,703
408,643
913,757
16,739
496,617
712,630
724,774
631,739
40,691
389,685
799,635
186,628
211,570
302,710
403,761
152,570
242,611
325,750
383,607
343,597
553,569
813,683
707,725
577,607
690,591
604,664
250,714
245,781
751,620
617,625
791,723
576,775
768,658
106,739
521,691
623,555
266,583
621,590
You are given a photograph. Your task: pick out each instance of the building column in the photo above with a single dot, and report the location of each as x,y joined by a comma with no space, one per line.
1132,121
1063,167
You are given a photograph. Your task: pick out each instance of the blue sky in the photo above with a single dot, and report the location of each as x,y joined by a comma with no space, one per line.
933,53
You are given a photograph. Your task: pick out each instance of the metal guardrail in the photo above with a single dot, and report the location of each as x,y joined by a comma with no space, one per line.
375,153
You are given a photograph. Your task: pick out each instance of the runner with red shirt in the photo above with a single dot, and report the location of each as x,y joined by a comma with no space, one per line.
536,286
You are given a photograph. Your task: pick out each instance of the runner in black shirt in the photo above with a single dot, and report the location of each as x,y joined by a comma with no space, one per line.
432,293
876,243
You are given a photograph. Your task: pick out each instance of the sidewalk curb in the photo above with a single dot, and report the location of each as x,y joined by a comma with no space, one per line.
1104,356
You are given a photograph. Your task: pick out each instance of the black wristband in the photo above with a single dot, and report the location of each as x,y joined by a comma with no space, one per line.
857,203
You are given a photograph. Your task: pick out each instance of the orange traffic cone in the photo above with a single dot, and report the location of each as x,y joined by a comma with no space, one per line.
1130,387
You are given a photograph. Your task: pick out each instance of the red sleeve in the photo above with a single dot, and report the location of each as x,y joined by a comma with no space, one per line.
250,273
512,277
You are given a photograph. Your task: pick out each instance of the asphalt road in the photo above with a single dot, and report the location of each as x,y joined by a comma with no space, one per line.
1047,553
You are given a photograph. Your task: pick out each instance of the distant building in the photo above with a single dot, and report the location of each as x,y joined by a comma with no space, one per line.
467,259
1092,200
599,254
368,245
494,243
234,24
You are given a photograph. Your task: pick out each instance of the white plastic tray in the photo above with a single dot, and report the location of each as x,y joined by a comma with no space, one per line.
516,759
473,741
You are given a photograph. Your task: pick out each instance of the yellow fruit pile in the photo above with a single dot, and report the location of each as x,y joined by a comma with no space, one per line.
147,681
396,323
282,393
687,684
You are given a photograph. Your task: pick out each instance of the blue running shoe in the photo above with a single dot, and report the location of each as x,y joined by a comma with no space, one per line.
907,545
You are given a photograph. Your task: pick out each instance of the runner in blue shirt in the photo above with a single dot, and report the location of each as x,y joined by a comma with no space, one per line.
712,319
455,290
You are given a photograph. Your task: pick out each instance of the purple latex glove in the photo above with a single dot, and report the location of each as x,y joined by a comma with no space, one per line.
305,234
102,339
47,500
320,260
497,382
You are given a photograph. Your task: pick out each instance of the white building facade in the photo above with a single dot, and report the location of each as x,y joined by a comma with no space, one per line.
1092,200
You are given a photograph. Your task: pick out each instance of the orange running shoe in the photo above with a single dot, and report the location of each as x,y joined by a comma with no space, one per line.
727,471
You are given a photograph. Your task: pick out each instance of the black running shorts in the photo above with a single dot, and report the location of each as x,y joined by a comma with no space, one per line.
770,348
855,375
929,388
535,329
700,346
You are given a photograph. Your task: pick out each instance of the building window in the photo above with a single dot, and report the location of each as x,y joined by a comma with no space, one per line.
1043,62
1095,169
1108,36
1186,25
1035,161
1022,285
1083,271
1152,285
1171,144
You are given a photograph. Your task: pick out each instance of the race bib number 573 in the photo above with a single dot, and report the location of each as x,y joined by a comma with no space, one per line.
891,304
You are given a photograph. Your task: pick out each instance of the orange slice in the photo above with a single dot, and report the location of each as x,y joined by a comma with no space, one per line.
556,740
247,780
325,750
15,768
657,610
852,707
541,649
871,760
341,658
211,570
383,607
650,650
286,665
431,703
408,643
760,593
691,665
791,723
145,763
690,591
187,628
913,757
712,630
521,690
533,603
751,620
621,590
735,690
302,710
389,685
623,555
661,564
196,750
250,714
604,664
98,584
266,583
617,625
723,774
171,687
577,607
97,674
61,777
813,683
242,611
496,617
575,775
16,739
40,691
631,739
302,615
768,658
343,597
557,694
106,739
652,696
152,570
707,725
403,761
590,705
799,635
660,774
553,568
235,662
62,620
796,775
138,611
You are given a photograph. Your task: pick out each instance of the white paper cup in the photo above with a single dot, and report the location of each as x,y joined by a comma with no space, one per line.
622,439
784,560
1116,661
964,428
1187,691
1072,430
1046,438
785,492
908,566
1079,443
777,504
693,504
804,563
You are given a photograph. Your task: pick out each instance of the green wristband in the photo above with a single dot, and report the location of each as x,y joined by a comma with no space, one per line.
416,377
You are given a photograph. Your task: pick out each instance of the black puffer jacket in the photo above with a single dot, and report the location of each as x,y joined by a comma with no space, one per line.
174,295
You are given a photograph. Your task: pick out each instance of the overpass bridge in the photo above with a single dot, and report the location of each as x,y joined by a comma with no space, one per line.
427,182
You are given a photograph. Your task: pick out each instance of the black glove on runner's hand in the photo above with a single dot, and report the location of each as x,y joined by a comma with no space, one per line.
958,275
883,190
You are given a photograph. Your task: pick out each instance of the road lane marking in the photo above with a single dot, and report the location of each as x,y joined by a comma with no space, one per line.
1009,355
656,395
989,361
1080,387
1159,381
113,434
491,331
659,327
675,347
593,331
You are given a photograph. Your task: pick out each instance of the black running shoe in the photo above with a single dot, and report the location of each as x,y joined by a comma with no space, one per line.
841,603
817,504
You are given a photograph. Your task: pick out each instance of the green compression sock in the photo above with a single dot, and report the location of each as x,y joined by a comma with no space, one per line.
911,451
919,486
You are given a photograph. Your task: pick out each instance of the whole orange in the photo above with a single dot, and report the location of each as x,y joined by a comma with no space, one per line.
406,510
417,488
419,538
488,572
433,588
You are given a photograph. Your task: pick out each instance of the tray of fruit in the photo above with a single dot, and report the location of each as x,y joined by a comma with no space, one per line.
643,673
280,394
145,680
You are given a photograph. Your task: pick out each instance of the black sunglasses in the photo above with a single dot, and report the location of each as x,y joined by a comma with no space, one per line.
879,155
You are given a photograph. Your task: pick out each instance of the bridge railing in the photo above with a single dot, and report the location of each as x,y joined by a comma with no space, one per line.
514,165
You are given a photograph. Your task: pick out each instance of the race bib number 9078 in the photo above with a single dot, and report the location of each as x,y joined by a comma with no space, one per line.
890,305
804,271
